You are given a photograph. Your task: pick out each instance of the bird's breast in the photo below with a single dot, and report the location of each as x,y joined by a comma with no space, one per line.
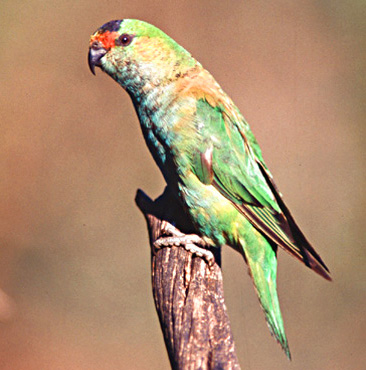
168,124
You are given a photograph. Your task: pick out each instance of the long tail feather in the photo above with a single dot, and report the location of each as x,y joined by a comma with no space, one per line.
262,264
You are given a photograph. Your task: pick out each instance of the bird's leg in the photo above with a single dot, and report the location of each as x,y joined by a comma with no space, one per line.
188,241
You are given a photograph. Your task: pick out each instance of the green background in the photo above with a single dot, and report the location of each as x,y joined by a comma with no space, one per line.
74,256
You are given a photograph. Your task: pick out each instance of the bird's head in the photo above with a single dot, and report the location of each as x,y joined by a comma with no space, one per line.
137,55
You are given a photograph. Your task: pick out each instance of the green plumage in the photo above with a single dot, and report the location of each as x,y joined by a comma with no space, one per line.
206,152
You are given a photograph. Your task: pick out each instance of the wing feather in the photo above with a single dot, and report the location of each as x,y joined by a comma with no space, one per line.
239,173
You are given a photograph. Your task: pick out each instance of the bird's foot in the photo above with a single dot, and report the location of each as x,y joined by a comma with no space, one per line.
190,242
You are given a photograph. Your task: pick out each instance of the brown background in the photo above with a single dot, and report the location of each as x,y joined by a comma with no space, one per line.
74,260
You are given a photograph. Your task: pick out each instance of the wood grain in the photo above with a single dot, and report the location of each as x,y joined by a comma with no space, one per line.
188,294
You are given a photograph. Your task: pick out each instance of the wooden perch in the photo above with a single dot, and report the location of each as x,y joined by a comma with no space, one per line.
188,294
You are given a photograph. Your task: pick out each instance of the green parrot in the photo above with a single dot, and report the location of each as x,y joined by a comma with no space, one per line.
206,152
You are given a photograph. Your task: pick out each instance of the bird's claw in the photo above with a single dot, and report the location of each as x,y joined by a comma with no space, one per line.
188,242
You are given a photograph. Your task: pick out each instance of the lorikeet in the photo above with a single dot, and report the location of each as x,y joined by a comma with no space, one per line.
207,153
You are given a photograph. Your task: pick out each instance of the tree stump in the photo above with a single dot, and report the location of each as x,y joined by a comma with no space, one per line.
188,294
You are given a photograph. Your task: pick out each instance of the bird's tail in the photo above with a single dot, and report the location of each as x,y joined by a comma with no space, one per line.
262,264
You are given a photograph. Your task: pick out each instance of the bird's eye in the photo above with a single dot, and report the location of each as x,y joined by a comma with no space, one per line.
124,40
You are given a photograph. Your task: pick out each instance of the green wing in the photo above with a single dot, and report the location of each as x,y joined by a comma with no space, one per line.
230,159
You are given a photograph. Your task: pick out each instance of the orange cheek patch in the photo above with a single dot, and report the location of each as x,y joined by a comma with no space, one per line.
107,39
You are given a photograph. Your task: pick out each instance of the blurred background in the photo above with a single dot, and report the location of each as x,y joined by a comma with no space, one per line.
74,256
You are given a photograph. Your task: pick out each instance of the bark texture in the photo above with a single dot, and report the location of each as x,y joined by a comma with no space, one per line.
188,294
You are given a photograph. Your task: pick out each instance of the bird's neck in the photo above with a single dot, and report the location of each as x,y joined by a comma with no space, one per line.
159,91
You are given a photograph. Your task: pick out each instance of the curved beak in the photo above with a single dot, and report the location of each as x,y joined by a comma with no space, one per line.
96,53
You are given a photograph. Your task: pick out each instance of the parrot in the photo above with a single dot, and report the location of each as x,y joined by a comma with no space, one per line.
207,154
